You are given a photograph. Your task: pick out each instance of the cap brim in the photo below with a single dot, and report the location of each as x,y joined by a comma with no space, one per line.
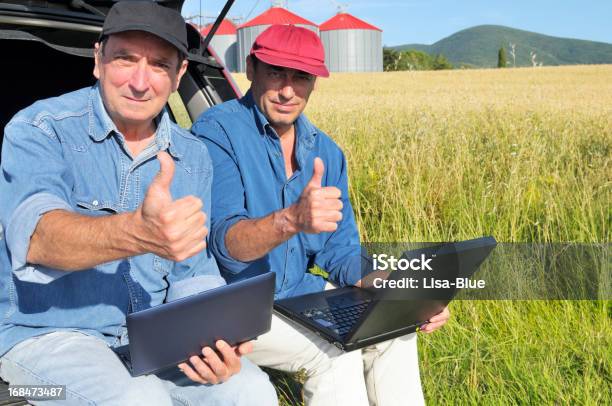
276,60
165,36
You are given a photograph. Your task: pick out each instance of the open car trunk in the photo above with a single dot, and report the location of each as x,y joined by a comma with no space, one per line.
37,71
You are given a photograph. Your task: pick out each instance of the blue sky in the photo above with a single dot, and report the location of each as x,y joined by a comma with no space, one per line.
422,21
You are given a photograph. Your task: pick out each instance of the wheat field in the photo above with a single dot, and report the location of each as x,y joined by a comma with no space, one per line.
521,154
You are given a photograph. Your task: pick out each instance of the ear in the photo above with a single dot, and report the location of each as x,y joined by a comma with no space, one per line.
180,74
250,69
97,60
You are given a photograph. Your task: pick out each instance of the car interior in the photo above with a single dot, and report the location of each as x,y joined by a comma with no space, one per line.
37,71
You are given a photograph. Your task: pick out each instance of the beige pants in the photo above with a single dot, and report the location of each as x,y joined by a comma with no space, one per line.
385,374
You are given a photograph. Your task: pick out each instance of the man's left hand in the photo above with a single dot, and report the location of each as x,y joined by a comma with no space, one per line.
436,321
213,367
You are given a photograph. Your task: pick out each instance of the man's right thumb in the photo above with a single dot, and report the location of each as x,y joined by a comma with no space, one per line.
317,172
166,170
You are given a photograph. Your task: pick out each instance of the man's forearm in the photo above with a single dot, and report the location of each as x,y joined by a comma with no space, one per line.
71,242
317,210
248,240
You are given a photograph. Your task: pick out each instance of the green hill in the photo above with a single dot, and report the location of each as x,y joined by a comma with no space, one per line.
478,46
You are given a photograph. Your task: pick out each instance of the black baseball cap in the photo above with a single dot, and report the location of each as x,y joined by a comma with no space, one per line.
147,16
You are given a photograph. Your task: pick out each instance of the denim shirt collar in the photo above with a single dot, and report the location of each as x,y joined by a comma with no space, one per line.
101,125
261,122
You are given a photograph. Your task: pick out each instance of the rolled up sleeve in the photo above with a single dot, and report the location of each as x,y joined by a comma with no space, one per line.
35,180
228,194
23,222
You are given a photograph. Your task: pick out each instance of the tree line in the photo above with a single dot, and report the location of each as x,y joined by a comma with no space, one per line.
413,60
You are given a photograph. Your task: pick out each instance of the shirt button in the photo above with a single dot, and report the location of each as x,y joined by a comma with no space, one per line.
95,202
292,250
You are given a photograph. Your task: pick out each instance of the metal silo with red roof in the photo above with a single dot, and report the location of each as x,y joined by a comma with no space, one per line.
351,44
224,43
248,31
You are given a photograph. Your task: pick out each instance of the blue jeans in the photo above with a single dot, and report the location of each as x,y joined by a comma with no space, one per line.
93,375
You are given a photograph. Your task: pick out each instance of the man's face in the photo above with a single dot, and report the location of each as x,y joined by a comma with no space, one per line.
280,93
137,72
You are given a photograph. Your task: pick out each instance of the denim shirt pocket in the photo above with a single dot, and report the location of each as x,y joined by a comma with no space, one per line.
194,174
191,169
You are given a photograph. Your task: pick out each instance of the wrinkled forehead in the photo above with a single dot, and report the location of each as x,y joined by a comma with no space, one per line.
141,42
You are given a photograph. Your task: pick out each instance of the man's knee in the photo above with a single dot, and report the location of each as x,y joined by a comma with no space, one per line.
252,386
145,391
290,347
90,370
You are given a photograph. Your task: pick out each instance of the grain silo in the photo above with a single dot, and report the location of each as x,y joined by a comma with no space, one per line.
248,31
224,43
351,44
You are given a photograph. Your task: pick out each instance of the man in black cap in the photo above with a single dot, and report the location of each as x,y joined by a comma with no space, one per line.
103,206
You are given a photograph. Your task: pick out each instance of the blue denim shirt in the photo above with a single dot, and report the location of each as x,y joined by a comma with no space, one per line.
66,153
250,182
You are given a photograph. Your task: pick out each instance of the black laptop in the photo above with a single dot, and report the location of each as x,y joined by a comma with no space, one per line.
166,335
352,318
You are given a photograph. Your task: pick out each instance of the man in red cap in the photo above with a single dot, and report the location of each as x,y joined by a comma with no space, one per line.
280,203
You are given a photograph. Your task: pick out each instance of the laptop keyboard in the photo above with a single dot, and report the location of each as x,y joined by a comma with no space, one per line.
337,318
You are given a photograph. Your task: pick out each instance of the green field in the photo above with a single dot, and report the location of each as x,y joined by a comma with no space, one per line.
520,154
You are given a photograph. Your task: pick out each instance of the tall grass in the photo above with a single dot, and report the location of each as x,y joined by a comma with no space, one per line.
521,154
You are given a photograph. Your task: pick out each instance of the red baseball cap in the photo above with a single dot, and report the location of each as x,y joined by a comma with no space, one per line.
291,47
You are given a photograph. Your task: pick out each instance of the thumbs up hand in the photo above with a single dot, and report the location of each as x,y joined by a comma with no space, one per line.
319,209
158,196
174,230
318,168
